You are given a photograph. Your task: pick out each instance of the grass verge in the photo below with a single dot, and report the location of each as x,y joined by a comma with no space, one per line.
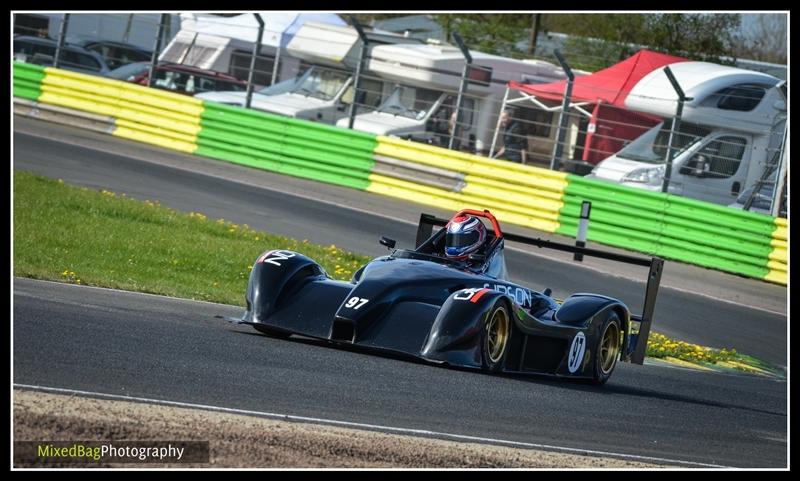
77,235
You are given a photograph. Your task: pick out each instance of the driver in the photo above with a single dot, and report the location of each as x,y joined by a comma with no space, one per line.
465,235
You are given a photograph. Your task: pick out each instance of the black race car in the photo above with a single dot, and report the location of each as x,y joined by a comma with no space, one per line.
459,313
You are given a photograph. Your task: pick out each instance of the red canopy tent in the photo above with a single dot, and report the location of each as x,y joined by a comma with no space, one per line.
611,124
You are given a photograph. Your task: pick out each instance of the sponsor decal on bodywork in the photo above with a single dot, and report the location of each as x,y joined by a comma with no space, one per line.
275,256
576,352
472,295
521,296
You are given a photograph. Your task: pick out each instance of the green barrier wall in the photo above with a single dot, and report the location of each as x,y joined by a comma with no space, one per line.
670,226
288,146
28,80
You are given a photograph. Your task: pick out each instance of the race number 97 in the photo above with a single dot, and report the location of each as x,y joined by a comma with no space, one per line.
355,302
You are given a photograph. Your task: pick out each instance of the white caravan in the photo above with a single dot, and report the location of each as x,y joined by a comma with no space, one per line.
322,90
225,44
426,82
730,130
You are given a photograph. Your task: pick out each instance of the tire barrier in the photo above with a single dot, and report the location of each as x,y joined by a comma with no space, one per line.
666,225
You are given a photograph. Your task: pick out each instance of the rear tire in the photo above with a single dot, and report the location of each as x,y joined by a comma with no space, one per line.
608,348
496,337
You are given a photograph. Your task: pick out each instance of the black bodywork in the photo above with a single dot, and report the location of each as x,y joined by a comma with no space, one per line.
419,303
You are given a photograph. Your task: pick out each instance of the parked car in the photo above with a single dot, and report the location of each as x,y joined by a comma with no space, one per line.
179,78
117,54
42,51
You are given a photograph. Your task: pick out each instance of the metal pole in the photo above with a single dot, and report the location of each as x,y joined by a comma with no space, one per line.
188,49
256,51
537,21
357,80
563,119
777,196
461,89
650,295
583,228
772,166
156,48
127,28
277,60
676,125
497,126
62,33
168,28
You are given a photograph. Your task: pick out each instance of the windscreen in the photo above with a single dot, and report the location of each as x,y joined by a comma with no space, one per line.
652,146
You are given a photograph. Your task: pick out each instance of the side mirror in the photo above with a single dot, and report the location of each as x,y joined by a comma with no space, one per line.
389,243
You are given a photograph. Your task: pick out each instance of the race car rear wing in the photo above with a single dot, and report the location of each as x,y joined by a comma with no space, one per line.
636,346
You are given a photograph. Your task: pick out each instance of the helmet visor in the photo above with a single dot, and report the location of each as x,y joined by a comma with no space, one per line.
464,239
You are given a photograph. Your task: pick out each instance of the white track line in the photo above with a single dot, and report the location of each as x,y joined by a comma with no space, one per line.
406,431
388,217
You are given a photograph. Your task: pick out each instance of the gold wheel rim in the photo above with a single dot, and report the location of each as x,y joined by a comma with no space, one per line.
497,335
609,347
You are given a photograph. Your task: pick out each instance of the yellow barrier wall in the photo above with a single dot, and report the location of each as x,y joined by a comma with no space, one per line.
148,115
515,193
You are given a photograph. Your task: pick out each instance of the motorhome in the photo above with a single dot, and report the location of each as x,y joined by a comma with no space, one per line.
425,81
323,89
225,44
731,130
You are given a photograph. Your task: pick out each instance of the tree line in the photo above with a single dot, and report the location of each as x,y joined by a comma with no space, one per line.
598,40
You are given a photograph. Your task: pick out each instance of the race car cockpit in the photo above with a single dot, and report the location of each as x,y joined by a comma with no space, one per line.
488,260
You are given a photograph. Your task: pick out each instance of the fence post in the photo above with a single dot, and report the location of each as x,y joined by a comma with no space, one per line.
676,125
780,181
555,163
62,33
583,228
357,80
461,89
277,59
256,51
128,25
777,196
156,48
497,126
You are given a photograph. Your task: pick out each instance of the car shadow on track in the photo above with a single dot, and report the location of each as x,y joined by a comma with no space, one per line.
537,379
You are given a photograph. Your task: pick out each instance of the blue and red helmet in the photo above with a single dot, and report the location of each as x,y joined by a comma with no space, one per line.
465,235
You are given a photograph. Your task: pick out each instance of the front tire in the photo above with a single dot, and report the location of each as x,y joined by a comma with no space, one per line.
608,348
496,336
